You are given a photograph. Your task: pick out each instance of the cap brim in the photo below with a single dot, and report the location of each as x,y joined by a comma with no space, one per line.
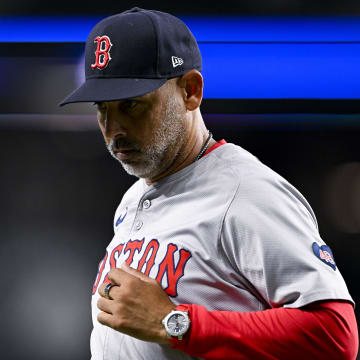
102,89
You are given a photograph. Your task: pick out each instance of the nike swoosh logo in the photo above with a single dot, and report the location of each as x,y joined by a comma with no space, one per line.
121,219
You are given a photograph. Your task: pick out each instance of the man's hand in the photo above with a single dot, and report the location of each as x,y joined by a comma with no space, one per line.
139,304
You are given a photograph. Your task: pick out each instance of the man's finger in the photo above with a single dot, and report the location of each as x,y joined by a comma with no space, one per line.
124,266
123,274
105,305
106,319
112,290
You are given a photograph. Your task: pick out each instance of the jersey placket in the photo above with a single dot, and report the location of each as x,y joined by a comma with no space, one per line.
139,221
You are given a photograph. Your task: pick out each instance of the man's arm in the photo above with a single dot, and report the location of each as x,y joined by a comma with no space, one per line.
321,330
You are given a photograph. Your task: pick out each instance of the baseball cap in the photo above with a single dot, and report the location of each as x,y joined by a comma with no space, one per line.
133,53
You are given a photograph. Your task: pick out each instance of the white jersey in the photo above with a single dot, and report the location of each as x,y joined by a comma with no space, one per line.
226,232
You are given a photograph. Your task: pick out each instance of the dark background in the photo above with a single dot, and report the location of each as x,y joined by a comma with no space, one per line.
253,7
60,187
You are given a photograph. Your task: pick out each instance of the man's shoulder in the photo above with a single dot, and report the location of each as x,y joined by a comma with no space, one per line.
241,162
261,187
254,178
232,170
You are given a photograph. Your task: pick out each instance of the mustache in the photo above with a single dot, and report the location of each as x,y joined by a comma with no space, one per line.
121,143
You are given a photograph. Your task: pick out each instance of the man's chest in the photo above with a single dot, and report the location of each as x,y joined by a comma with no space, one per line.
175,239
165,240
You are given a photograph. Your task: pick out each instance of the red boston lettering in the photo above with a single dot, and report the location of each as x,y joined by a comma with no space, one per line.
173,273
99,273
102,53
115,254
154,246
132,246
168,267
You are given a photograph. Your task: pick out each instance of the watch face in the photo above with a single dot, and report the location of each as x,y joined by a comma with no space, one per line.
177,324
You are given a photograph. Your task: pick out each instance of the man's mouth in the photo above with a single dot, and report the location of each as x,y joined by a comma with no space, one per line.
121,149
124,153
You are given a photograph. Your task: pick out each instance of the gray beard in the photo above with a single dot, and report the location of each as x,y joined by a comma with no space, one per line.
171,131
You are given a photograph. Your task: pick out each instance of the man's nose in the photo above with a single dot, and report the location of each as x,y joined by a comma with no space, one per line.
115,123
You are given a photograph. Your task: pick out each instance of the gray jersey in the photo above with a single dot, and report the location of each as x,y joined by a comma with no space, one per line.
226,232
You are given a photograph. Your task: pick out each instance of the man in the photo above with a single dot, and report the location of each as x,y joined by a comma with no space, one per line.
214,255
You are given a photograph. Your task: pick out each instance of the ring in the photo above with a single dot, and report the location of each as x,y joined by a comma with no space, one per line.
107,290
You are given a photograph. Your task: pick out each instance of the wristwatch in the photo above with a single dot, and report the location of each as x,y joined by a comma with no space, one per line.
176,323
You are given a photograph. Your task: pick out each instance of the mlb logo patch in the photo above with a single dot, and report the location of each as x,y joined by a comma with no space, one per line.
325,254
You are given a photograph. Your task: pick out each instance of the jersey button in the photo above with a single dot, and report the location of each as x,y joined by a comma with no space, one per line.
146,204
138,225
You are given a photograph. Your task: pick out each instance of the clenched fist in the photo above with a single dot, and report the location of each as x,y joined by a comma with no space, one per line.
137,307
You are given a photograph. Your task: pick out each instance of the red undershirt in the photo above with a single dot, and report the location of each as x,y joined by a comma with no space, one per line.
319,331
323,330
218,144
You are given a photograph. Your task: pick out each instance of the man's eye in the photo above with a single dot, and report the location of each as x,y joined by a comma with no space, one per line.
130,104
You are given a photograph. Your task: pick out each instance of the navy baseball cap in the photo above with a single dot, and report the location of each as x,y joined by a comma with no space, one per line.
133,53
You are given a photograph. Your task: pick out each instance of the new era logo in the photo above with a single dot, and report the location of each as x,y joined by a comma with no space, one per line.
176,61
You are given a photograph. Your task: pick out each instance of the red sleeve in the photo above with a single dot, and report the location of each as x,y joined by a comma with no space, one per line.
321,330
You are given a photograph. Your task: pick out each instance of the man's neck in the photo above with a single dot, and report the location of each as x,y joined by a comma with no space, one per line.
185,158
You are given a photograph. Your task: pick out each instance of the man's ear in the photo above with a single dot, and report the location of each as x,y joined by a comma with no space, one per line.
192,86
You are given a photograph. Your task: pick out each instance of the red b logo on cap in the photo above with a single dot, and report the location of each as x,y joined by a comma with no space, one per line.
102,52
